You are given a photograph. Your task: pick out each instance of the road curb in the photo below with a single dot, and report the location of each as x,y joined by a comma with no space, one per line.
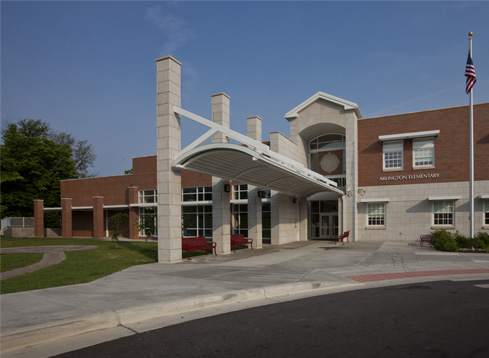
48,332
53,331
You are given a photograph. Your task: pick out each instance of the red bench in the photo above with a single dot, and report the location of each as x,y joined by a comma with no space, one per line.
197,243
239,239
427,238
342,237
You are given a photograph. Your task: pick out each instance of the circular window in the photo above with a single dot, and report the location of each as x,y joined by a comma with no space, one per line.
330,162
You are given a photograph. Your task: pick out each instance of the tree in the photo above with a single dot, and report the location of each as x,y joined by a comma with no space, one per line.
147,224
81,152
33,161
115,222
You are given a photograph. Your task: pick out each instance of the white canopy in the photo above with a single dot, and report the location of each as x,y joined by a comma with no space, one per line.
251,162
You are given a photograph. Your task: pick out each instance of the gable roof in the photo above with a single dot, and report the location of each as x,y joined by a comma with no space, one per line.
347,105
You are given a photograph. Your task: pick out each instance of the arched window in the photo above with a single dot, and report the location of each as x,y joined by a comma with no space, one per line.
332,142
327,142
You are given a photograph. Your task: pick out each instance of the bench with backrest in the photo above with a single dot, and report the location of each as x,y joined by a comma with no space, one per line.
197,243
238,240
342,237
427,238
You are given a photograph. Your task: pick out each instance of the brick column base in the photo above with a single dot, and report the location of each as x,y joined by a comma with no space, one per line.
39,218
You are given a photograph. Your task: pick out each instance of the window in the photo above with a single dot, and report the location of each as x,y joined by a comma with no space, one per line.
240,219
443,211
198,193
267,193
240,191
423,153
486,212
148,220
147,197
326,143
393,155
197,220
376,214
266,220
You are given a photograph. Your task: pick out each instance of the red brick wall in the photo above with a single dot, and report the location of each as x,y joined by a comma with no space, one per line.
451,145
190,179
82,223
114,189
144,165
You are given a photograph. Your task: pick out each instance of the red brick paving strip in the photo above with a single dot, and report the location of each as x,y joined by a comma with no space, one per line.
396,275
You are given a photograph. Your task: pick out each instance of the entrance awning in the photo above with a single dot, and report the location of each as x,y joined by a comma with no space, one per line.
251,162
238,163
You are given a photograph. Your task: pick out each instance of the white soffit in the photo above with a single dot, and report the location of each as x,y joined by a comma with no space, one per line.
347,105
484,196
400,136
448,197
240,163
142,205
81,208
375,200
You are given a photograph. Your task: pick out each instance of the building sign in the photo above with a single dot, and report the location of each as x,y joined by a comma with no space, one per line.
410,177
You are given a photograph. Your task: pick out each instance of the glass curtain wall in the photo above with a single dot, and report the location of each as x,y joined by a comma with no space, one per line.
197,211
239,208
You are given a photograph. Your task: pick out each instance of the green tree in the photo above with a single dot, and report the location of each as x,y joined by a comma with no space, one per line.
32,163
81,152
116,222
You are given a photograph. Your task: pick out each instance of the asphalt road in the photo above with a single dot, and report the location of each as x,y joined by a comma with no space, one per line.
435,319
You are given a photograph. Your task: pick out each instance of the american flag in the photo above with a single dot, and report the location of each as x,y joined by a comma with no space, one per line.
470,74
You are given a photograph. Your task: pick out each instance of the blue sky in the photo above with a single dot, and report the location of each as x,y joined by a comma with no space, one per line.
88,67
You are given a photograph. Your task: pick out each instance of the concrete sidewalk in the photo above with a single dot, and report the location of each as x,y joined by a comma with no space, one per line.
146,292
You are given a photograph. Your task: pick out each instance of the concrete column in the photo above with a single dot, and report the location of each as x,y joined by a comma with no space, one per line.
168,145
286,217
98,217
254,127
221,220
39,218
220,115
254,201
303,236
66,218
351,211
132,198
255,217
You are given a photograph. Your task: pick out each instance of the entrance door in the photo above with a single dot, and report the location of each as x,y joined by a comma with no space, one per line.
328,225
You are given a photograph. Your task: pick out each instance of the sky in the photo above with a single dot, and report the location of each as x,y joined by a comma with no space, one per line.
88,67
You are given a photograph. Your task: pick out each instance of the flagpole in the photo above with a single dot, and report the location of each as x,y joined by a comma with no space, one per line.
471,110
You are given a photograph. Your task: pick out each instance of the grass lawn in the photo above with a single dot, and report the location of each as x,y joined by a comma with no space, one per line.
79,266
12,261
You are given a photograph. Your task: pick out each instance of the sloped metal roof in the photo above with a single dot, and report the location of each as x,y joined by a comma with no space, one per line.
252,166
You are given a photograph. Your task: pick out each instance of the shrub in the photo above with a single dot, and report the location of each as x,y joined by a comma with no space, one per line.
478,244
444,241
462,241
484,236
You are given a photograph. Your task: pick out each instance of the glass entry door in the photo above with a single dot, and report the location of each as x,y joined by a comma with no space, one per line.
328,225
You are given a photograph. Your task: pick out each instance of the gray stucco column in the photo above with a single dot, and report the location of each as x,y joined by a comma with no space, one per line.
221,219
168,130
254,201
